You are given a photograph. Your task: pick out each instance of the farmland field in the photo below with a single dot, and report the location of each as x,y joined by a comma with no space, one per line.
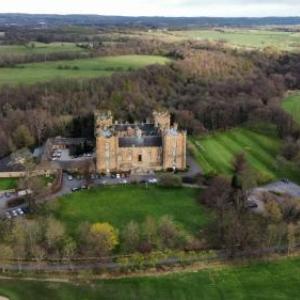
215,153
78,68
277,280
38,48
292,105
7,183
244,38
119,205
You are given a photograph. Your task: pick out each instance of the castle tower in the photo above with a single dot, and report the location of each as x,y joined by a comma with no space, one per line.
106,142
174,149
162,119
103,119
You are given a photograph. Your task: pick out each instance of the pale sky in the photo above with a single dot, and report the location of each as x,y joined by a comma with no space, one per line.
218,8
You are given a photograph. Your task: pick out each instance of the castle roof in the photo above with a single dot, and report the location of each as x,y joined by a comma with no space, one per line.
144,141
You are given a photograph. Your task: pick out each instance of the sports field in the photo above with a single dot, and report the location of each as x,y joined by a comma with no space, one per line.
292,105
7,183
119,205
215,153
261,281
78,68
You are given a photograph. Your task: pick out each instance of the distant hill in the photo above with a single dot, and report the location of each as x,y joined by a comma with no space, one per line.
161,22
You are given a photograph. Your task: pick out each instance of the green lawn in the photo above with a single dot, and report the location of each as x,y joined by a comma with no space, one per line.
292,105
38,48
119,205
78,68
261,281
215,153
7,183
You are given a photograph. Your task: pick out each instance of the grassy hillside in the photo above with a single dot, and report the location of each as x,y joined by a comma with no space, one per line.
261,281
292,105
119,205
78,68
215,153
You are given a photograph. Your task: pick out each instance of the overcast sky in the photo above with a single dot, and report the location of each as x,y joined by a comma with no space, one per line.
220,8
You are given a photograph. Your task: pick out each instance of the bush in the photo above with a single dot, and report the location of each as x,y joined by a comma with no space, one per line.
170,180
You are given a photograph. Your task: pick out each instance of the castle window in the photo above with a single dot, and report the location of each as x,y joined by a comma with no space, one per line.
140,158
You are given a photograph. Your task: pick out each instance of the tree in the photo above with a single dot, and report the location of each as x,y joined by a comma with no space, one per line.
54,234
18,241
291,237
103,237
131,237
6,253
170,234
150,236
22,137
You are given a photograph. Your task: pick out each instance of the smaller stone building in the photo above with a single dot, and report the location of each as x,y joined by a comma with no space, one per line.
139,147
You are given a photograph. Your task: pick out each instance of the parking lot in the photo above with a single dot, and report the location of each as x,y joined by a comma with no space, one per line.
64,155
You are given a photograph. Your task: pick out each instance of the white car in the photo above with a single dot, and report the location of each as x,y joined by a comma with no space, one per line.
124,181
20,211
118,176
14,213
70,177
152,180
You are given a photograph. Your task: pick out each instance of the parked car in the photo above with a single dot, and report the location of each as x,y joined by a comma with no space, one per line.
252,204
8,215
84,187
75,189
14,213
118,176
70,177
20,211
152,180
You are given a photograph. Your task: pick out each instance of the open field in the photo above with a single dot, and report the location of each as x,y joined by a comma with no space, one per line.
39,48
244,38
292,105
78,68
7,183
215,153
279,280
119,205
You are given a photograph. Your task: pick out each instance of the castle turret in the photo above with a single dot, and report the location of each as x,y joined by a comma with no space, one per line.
162,119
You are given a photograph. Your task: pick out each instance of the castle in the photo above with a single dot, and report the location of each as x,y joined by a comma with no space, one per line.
139,147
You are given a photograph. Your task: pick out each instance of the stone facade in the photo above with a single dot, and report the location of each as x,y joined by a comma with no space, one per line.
140,147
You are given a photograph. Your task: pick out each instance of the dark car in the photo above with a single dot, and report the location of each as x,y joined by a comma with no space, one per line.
252,204
75,189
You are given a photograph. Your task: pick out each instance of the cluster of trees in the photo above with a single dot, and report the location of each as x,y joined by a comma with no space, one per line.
46,238
236,228
153,235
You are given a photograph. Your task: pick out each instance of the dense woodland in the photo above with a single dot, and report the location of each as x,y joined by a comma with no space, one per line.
204,89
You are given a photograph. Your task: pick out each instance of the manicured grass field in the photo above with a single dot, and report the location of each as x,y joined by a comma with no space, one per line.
292,105
261,281
215,153
79,68
38,48
119,205
7,183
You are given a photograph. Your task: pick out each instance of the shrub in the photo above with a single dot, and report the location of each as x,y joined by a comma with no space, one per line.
170,180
